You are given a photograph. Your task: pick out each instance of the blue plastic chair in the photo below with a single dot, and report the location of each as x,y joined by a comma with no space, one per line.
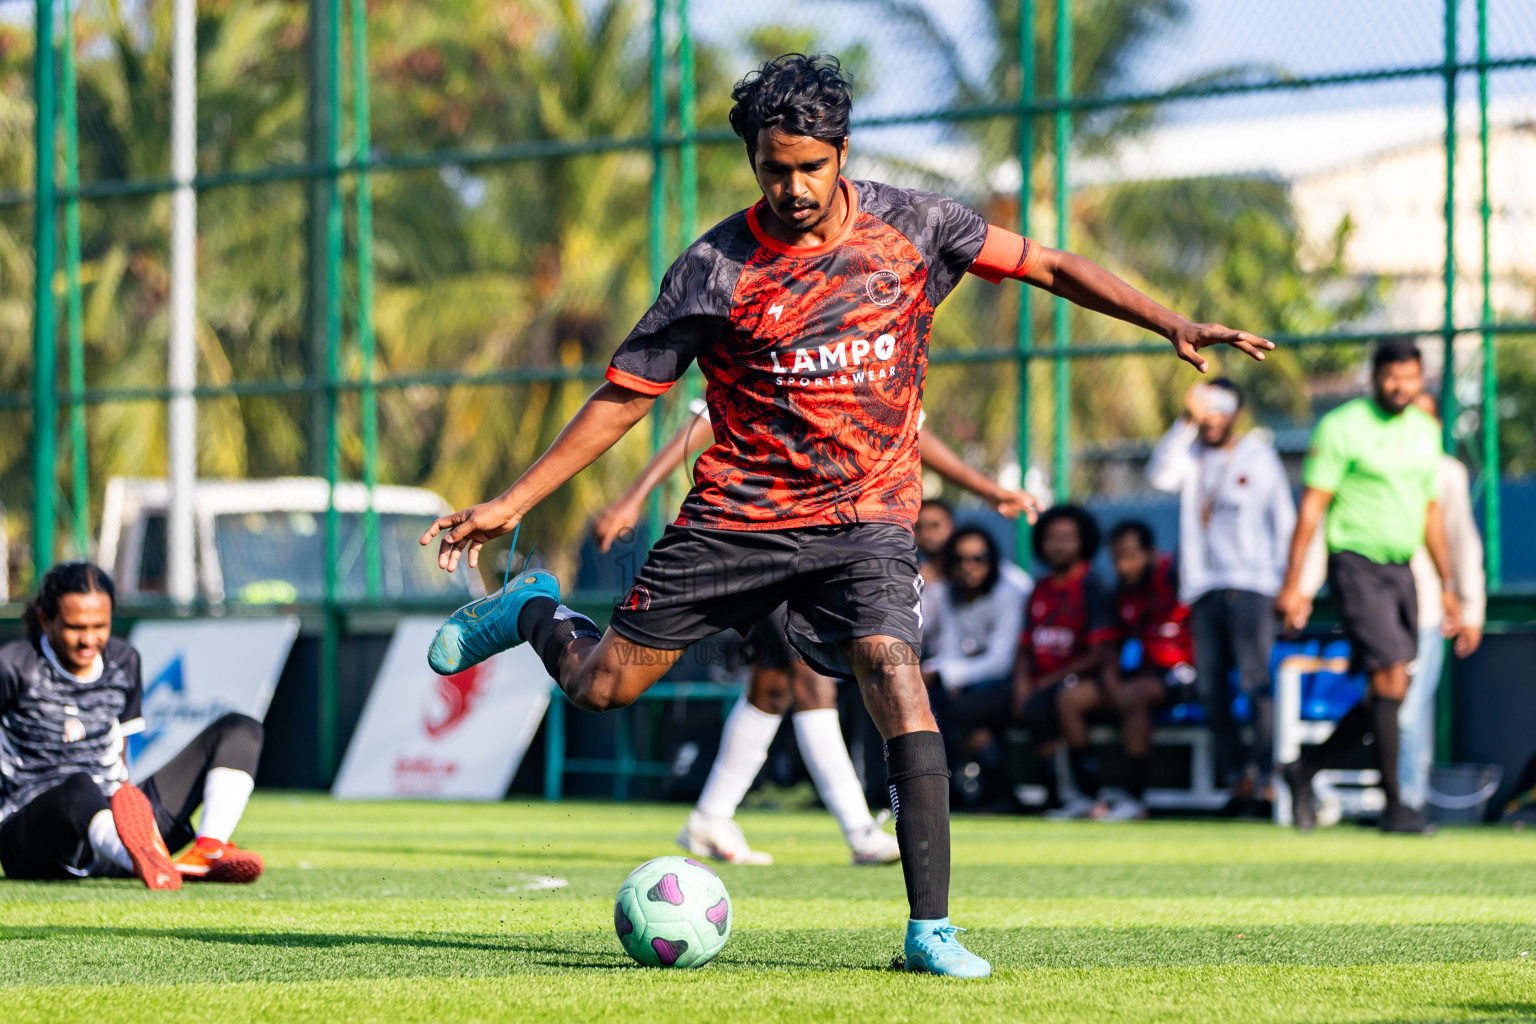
1325,696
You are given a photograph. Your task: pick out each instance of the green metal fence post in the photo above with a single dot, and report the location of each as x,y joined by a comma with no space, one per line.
658,239
80,495
317,214
554,747
331,644
1491,477
1024,336
624,752
688,161
44,344
1448,374
1063,378
688,151
362,127
658,256
1444,701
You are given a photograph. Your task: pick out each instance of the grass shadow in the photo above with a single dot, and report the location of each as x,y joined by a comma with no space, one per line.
287,940
1486,1013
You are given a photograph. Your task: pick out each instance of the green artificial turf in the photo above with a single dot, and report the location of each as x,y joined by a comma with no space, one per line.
440,913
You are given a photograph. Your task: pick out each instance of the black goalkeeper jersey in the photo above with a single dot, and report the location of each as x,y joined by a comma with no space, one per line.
53,725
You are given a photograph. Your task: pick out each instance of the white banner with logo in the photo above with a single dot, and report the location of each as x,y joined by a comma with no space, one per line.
458,737
197,670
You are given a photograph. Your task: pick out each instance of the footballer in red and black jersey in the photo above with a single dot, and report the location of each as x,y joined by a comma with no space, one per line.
814,357
1065,617
1150,612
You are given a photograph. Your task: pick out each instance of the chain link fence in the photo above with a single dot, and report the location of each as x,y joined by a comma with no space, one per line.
411,270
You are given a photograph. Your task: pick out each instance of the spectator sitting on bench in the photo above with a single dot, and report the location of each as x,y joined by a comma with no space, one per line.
1157,654
1067,650
978,615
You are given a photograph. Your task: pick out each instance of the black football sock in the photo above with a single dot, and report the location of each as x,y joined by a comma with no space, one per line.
1085,772
549,629
1344,740
1137,769
918,775
1384,712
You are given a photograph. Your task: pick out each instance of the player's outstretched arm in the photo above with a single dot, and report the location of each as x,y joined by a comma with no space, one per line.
604,418
695,434
1089,285
941,458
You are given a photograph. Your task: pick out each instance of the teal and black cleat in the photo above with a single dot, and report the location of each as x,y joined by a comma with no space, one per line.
489,625
932,948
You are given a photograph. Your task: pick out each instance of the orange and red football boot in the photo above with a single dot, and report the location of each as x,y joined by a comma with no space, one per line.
209,860
135,821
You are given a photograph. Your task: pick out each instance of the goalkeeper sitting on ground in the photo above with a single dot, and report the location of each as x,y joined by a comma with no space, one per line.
70,694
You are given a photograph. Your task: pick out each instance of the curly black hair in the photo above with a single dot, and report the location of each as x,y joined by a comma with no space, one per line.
1087,530
797,94
62,579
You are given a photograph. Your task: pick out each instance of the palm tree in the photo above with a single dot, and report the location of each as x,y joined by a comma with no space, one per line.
539,262
1216,248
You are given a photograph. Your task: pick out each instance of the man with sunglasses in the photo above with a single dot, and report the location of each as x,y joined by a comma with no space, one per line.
979,612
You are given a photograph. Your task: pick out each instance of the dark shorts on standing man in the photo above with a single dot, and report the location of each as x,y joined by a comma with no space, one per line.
1378,607
839,582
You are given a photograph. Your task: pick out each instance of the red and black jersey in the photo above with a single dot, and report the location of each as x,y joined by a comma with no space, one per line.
1150,612
814,358
1065,617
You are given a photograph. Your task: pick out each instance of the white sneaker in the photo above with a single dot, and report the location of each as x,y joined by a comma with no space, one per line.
1125,809
718,839
1077,807
871,844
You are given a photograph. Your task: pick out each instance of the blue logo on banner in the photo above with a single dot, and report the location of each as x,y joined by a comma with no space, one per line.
169,681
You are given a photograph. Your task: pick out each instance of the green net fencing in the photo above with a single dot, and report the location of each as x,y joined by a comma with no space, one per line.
411,270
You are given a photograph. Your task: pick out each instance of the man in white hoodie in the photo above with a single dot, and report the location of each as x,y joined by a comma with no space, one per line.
1236,515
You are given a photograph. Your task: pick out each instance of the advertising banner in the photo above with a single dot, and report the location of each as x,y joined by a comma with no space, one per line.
197,670
458,737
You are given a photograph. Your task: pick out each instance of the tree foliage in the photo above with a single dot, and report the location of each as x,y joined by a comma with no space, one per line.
498,264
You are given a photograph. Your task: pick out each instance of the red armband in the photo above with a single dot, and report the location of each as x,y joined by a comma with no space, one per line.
1005,254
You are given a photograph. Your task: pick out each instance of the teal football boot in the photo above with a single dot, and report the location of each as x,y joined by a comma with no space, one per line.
489,625
932,948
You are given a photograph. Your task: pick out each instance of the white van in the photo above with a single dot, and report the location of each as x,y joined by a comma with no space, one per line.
263,541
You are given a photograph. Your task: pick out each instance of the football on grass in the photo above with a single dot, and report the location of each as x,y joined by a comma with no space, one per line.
672,912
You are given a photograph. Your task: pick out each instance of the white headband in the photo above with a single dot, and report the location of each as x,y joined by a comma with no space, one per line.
1220,401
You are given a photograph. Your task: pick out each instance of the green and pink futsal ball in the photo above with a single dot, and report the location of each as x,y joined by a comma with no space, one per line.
672,912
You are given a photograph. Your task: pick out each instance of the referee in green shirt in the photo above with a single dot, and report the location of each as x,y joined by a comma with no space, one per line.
1372,468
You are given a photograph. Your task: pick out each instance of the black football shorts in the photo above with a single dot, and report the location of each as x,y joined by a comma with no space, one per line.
767,643
839,582
1378,607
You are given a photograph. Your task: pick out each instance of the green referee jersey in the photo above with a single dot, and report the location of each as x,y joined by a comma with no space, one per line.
1380,470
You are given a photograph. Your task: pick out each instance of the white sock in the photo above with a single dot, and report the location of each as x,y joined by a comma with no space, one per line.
743,749
106,843
226,791
826,758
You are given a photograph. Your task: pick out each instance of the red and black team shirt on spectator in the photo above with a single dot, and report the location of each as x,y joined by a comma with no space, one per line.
1150,612
1066,617
814,358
